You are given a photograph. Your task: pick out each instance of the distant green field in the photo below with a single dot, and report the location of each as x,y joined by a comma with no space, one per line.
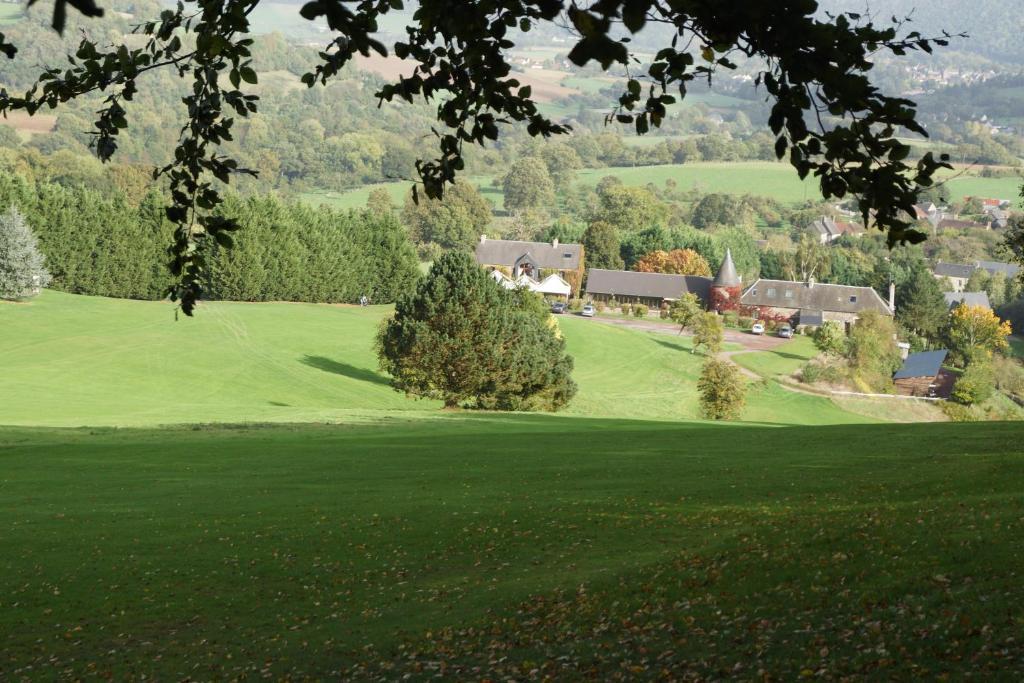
765,178
356,199
71,360
475,546
10,12
976,186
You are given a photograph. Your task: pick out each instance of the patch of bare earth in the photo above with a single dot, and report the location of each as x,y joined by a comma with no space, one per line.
544,83
22,122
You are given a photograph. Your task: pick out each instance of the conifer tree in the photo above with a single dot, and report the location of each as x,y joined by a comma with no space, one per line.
462,339
22,266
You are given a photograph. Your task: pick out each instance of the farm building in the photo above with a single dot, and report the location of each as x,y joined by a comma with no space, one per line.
922,374
655,289
954,299
536,260
650,289
811,303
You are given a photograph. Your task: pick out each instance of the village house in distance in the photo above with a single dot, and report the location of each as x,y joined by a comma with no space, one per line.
801,303
549,268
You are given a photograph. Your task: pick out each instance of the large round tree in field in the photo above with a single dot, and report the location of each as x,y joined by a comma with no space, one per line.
22,266
463,339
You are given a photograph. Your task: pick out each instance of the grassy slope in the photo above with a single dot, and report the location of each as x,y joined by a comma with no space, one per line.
73,360
512,541
785,359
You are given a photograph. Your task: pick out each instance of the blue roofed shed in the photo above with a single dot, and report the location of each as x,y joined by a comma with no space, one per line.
922,374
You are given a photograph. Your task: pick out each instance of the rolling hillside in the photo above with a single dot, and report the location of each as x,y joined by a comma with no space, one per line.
72,360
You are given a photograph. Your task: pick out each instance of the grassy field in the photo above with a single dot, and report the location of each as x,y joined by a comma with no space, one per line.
782,360
10,13
410,540
765,178
75,361
474,546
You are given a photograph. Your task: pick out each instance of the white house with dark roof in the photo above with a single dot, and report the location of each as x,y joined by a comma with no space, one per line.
829,230
959,273
536,260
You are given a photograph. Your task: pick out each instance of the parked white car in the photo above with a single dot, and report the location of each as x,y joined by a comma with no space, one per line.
588,311
758,328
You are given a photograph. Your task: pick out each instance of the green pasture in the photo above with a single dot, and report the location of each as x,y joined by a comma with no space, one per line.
783,360
513,547
10,13
765,178
88,361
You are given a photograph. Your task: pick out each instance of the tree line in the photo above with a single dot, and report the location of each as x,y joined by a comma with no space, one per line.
99,243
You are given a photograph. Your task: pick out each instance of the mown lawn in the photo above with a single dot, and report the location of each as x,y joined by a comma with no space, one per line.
513,547
86,361
784,359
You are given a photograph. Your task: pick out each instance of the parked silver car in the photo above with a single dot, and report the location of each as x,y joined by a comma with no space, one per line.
588,311
785,331
757,328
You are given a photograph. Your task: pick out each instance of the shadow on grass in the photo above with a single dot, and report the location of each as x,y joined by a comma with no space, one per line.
345,370
675,346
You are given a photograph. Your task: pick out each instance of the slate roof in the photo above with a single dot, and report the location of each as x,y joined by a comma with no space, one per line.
811,317
993,267
654,285
959,270
818,297
954,299
834,229
924,364
545,254
727,276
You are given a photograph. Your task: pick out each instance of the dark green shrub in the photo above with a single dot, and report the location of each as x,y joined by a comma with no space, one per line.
640,311
976,384
462,339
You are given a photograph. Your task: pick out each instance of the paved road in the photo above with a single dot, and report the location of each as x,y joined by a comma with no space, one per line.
749,342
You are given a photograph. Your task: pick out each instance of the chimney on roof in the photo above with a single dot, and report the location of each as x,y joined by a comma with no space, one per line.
892,297
554,243
483,238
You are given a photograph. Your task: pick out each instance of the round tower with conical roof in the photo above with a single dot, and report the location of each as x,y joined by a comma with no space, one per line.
726,287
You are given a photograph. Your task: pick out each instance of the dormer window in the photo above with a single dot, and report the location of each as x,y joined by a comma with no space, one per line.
753,292
770,292
853,299
789,294
566,255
